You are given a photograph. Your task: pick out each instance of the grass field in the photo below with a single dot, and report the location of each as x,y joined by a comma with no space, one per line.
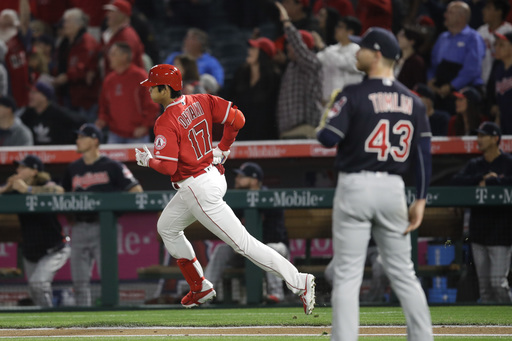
213,317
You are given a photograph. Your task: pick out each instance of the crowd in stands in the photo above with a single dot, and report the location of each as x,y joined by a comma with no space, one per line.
67,62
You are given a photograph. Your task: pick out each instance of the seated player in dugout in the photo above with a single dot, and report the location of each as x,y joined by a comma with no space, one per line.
184,151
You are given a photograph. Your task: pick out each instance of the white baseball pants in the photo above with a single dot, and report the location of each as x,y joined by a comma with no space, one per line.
201,199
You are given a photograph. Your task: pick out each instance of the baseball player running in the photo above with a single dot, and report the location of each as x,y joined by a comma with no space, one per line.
183,149
380,127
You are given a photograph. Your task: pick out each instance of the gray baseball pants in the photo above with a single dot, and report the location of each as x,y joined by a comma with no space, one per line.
492,264
85,249
40,275
373,203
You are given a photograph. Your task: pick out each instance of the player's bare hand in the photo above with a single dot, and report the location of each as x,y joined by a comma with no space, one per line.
143,157
220,156
416,212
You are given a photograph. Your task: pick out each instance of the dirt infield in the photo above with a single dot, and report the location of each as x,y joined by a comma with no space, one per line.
259,330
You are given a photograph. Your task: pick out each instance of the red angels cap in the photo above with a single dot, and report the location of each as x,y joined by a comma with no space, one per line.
307,38
122,6
264,44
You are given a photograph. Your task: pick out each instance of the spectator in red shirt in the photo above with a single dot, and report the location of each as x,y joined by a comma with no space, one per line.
78,57
119,29
125,107
11,33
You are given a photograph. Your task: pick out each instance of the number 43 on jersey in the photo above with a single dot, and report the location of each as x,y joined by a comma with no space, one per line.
379,140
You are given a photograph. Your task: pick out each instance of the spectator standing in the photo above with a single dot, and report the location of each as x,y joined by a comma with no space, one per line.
494,14
250,177
93,172
120,30
489,227
12,33
125,107
45,248
410,68
457,55
49,123
339,60
503,82
78,71
12,131
438,119
468,113
255,88
195,45
299,104
190,75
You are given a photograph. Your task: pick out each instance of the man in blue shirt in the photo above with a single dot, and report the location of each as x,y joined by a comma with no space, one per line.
457,54
194,45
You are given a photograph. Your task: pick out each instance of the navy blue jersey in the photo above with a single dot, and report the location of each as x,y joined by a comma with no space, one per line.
379,123
104,175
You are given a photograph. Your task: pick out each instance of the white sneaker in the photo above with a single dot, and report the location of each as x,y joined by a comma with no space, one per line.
308,296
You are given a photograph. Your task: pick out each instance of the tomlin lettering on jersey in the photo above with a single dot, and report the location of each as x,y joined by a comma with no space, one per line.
388,102
190,113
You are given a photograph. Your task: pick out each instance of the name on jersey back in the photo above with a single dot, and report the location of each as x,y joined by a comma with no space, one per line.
192,112
384,102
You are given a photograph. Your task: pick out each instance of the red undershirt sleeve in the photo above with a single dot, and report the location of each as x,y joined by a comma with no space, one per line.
163,166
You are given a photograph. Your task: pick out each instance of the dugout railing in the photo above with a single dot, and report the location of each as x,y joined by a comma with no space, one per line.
110,204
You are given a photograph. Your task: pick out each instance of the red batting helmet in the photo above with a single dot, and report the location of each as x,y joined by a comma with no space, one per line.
164,74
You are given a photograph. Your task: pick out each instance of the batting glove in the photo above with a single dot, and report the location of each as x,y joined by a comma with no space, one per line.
143,157
220,156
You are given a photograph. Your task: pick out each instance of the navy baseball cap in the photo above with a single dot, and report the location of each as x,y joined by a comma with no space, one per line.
471,94
31,161
250,169
379,39
90,130
489,128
